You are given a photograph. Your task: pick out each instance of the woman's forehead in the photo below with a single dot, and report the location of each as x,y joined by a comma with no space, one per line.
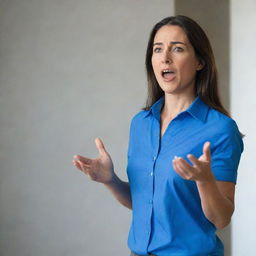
171,33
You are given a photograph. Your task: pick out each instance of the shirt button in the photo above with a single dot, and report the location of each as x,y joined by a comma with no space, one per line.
154,158
150,201
151,173
149,232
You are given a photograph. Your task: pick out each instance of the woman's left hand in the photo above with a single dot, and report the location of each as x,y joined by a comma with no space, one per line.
200,171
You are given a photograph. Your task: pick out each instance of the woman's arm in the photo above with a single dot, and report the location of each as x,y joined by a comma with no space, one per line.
121,191
217,200
217,197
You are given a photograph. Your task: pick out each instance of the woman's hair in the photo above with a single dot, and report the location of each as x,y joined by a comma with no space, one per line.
206,82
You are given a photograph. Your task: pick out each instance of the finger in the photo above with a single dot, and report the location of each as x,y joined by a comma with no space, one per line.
185,165
207,151
85,168
175,167
193,159
179,170
83,159
75,163
89,172
100,146
187,173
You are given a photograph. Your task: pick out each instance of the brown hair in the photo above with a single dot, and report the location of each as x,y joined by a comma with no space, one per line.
206,84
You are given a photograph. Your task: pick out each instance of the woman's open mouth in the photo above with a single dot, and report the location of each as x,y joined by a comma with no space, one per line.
168,75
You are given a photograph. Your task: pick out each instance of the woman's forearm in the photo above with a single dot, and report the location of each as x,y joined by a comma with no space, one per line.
121,191
217,208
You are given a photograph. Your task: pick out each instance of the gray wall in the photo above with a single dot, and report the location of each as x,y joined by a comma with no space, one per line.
214,17
70,71
243,105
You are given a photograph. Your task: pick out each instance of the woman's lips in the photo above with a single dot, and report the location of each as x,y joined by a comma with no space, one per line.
168,77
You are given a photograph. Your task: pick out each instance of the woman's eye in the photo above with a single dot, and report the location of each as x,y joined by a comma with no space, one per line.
178,49
157,49
175,49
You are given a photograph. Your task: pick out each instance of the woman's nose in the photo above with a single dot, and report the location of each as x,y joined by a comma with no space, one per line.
167,57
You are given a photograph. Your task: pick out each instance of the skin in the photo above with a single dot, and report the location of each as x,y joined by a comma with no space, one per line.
217,198
179,57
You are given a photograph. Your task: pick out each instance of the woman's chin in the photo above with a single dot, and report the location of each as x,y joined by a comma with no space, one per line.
168,87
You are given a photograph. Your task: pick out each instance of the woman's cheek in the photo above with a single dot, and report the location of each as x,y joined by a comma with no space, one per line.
187,73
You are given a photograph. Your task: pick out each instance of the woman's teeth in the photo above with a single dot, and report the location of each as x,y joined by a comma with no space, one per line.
166,73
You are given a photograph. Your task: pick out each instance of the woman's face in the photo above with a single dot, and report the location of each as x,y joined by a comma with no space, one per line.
172,51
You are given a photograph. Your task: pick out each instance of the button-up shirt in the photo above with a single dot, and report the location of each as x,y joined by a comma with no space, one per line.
167,216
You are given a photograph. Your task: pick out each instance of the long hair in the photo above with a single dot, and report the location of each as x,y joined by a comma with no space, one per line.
206,82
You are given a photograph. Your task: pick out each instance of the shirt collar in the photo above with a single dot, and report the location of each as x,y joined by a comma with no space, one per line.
197,109
156,107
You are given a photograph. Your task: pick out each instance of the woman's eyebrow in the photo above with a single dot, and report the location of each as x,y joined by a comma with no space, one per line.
173,42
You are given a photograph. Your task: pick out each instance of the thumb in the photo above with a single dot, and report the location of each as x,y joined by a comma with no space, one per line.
100,146
207,151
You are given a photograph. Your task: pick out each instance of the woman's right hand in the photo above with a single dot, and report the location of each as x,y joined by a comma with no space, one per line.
100,169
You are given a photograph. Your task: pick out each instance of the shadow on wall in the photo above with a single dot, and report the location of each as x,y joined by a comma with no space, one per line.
214,17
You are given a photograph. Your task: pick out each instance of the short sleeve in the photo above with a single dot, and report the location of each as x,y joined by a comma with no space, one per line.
226,153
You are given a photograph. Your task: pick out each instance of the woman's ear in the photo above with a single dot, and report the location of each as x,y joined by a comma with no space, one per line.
200,65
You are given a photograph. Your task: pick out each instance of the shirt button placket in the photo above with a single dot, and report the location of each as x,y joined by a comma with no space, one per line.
150,201
154,159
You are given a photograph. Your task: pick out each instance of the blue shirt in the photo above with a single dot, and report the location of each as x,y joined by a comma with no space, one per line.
167,217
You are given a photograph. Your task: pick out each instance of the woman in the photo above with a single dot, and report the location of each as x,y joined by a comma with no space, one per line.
184,150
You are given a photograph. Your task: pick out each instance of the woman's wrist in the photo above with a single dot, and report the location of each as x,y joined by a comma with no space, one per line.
114,179
206,182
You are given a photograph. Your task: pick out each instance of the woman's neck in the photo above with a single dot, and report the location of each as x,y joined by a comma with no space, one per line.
174,104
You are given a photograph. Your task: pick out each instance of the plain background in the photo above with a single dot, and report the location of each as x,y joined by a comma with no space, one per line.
243,105
71,71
